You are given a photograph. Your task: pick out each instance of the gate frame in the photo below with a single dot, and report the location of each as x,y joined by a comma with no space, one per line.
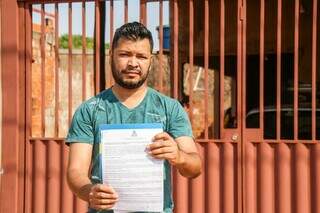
15,61
13,57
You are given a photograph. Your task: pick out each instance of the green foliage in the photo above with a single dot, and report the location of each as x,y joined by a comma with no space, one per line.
77,42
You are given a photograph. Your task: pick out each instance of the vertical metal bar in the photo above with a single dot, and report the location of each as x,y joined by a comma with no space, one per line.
28,199
315,169
181,186
30,174
301,195
102,26
241,91
283,178
314,66
191,52
66,196
278,113
250,201
84,51
243,70
240,61
175,48
228,177
97,48
22,104
111,38
1,168
56,108
11,123
214,178
53,183
39,177
125,11
206,66
261,68
222,63
198,186
161,45
180,192
69,62
143,12
43,72
296,75
1,105
111,21
266,201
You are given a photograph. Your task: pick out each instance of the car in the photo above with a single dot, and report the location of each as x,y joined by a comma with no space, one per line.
287,122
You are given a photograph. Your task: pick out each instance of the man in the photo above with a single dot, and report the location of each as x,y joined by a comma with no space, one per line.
129,100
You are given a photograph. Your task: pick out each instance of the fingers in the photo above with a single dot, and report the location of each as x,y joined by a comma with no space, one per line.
157,145
164,147
166,156
103,188
101,207
162,144
162,150
162,140
161,136
102,197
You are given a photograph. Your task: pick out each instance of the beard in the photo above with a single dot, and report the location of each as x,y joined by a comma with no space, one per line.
127,83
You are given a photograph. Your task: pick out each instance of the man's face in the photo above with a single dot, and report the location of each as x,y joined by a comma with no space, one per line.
130,62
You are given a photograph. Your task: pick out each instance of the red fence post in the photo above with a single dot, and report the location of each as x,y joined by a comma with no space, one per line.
13,106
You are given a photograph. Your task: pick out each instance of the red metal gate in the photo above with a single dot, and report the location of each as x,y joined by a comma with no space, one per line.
59,78
281,129
245,70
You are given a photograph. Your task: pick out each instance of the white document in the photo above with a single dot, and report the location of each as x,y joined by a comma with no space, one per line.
129,169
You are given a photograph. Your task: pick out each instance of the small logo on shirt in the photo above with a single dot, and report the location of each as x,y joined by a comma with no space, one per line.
134,134
156,117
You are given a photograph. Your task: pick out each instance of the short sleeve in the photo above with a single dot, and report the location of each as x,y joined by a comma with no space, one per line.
179,122
81,129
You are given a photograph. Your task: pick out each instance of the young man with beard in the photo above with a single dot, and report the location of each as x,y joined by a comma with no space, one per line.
129,100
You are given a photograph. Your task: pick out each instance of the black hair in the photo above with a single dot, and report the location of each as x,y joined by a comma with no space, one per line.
184,100
132,31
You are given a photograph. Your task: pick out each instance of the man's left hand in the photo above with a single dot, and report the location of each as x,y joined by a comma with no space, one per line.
165,147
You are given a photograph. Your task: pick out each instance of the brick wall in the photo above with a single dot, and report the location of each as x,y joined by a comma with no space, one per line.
153,81
50,78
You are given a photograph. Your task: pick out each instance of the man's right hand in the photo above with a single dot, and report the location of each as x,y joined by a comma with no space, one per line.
102,197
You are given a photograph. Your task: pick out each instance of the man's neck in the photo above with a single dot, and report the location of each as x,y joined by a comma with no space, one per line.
129,97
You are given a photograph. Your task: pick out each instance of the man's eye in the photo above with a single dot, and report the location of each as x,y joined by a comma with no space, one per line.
142,57
123,54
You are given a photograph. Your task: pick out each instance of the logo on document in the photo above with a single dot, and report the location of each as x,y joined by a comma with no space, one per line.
134,134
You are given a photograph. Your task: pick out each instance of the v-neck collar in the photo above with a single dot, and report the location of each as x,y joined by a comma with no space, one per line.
136,107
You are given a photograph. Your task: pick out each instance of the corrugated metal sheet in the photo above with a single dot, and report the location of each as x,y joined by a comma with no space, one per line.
282,177
46,178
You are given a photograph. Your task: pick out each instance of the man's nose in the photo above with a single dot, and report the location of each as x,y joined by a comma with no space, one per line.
133,61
